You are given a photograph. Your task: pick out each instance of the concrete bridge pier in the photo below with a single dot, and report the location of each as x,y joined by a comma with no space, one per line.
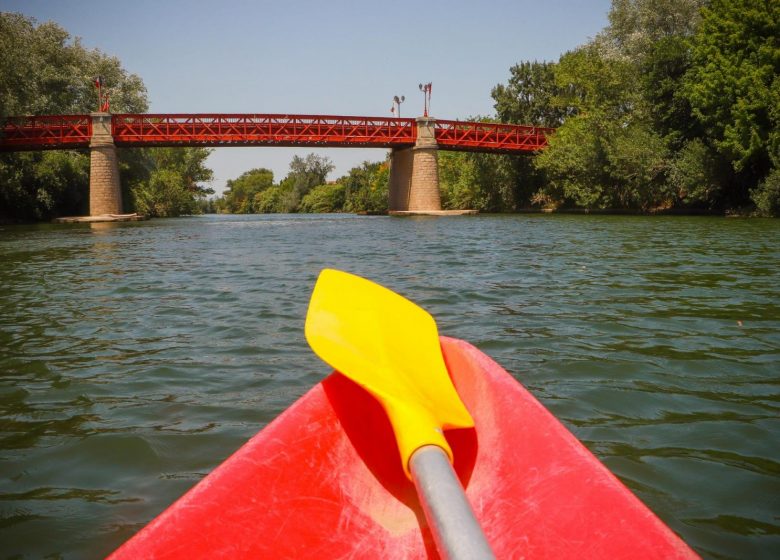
414,173
105,193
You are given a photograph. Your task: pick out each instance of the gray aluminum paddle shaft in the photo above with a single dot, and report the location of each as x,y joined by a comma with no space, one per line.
454,526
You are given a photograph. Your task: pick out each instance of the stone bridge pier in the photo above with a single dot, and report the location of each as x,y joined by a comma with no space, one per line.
414,175
105,193
414,172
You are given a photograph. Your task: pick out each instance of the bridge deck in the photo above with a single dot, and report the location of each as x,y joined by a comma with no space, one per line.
46,132
138,130
268,130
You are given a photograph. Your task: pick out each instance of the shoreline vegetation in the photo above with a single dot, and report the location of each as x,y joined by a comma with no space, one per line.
673,108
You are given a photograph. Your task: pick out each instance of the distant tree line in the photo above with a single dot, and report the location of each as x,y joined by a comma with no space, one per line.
45,71
364,189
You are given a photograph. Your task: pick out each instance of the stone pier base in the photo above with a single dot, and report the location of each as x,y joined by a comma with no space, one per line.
424,189
433,212
105,193
97,219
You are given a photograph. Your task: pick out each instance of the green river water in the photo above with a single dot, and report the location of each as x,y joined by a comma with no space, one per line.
134,358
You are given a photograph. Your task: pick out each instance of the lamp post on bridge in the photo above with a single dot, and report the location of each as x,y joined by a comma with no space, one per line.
103,105
397,102
426,89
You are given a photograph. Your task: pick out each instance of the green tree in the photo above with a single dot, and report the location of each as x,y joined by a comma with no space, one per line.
324,198
529,96
696,175
173,186
583,162
636,27
766,195
241,192
37,186
637,166
279,199
733,86
575,164
484,182
366,188
663,70
632,142
306,173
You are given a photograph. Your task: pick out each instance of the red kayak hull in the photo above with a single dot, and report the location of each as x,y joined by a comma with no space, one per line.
324,480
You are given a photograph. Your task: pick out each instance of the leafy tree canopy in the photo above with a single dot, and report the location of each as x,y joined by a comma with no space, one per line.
45,71
733,84
241,192
676,103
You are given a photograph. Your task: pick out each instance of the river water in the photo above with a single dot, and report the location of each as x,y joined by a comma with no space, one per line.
136,357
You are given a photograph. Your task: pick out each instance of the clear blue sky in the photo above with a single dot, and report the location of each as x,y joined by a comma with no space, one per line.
336,57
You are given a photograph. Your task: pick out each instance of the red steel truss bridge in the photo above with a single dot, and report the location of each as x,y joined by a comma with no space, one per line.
221,130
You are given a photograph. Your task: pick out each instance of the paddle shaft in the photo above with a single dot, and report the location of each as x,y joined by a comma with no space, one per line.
455,528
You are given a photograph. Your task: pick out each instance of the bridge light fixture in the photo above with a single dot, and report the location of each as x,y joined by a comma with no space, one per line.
397,102
426,89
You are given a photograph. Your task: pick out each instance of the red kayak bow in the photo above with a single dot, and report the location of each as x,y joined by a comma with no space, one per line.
324,480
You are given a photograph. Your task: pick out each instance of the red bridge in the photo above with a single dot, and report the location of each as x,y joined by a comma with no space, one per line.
414,177
139,130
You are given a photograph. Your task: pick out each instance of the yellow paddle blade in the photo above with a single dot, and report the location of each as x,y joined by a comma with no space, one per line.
389,346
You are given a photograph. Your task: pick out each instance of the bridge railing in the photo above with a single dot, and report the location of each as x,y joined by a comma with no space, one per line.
75,131
261,129
490,137
46,132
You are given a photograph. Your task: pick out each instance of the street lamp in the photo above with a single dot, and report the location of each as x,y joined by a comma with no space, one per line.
102,97
397,101
426,89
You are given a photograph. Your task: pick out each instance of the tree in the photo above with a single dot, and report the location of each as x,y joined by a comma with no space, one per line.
366,188
766,196
279,199
173,186
588,161
241,192
637,26
696,175
632,141
306,173
733,85
529,96
575,164
484,182
324,198
637,165
662,72
43,70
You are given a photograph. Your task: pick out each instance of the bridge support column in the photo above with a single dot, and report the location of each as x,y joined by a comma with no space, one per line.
414,173
105,193
400,178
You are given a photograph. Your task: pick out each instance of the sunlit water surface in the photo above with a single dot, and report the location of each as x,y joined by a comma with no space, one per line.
134,358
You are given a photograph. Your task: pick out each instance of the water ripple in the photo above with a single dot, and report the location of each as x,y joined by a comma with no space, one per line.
136,357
